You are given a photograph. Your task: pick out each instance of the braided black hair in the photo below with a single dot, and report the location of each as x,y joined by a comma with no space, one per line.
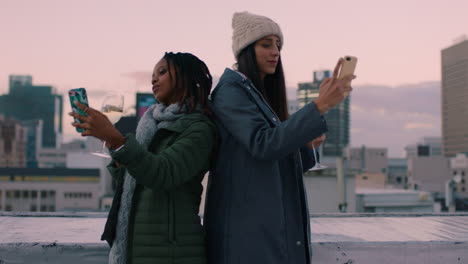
192,80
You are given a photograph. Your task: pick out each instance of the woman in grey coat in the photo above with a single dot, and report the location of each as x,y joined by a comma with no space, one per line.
256,209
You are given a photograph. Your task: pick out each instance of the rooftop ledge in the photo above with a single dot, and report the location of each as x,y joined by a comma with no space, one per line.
336,238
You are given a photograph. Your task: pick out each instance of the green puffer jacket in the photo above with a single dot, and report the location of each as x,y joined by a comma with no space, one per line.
164,224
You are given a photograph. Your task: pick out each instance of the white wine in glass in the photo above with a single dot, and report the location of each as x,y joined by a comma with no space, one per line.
112,112
112,107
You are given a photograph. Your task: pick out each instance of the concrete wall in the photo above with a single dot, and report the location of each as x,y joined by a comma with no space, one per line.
429,173
322,193
370,180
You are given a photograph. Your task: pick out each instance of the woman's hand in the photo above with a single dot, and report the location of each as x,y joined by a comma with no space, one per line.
333,91
96,124
316,142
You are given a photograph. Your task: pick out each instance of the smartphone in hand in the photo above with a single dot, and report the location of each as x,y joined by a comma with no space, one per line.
78,94
348,68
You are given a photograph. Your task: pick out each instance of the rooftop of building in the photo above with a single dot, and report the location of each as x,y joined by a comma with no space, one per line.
336,238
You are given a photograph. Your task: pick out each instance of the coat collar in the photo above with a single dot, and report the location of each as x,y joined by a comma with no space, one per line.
185,121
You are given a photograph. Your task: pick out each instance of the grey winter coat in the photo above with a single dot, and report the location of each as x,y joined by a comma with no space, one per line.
256,210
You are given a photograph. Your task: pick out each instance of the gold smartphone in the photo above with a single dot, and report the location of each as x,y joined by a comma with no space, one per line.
348,68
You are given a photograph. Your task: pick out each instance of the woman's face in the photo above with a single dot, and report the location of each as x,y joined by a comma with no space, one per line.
163,86
267,52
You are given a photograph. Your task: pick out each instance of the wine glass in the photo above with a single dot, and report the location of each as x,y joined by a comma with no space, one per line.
112,107
317,165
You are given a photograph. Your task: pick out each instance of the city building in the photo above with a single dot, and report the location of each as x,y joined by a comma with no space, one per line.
455,99
12,143
393,201
33,141
366,159
427,146
57,157
293,106
49,190
338,118
459,166
397,172
370,180
26,101
327,194
429,174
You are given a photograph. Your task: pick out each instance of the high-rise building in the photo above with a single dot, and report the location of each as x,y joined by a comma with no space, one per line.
338,120
12,144
26,101
455,99
33,141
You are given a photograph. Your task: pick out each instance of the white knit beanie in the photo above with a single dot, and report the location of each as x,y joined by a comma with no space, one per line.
248,28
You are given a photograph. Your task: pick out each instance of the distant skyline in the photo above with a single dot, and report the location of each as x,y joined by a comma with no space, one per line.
105,45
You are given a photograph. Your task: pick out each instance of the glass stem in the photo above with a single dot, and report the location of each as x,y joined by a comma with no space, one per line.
315,154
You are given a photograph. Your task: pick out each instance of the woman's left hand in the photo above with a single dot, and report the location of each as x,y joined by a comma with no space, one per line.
316,142
96,124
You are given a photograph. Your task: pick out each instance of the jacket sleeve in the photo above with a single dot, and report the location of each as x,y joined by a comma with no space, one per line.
114,171
239,114
188,156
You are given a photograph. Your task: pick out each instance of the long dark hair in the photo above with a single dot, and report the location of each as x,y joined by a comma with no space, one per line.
273,87
192,79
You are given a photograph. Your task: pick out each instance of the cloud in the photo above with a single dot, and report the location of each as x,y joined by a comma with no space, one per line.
394,117
414,126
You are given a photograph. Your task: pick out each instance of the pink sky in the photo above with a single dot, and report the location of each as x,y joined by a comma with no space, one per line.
96,43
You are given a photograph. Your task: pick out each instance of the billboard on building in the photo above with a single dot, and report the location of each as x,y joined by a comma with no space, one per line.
143,102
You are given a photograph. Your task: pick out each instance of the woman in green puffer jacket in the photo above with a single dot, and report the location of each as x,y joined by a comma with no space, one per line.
154,214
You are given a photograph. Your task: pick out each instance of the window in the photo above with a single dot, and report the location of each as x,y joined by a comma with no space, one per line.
8,208
25,194
51,208
17,194
52,194
9,194
33,208
463,173
43,194
43,208
34,194
364,178
398,180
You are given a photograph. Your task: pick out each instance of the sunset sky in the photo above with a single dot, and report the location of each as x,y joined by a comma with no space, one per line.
112,45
